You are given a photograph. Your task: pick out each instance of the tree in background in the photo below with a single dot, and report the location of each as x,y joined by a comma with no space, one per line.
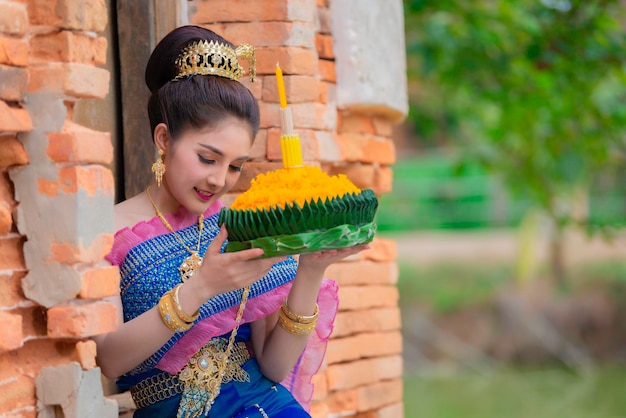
533,90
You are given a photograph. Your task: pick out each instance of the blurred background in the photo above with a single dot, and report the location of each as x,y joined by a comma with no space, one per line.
509,209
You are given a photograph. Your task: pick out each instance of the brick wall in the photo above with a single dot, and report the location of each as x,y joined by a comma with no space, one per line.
56,198
362,375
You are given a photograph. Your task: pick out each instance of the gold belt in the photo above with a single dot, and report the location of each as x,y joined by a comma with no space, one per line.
164,385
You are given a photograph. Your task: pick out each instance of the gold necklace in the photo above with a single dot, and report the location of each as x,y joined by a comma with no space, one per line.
192,263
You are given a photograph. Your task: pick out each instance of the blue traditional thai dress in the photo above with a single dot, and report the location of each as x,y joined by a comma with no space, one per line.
149,256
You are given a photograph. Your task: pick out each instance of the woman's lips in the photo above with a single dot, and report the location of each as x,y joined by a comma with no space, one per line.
203,195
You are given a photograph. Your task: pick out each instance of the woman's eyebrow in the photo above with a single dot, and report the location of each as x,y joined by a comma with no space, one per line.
212,148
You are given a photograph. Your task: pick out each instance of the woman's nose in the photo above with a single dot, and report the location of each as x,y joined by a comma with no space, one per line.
217,178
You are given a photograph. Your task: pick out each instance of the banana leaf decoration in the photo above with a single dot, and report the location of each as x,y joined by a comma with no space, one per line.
317,226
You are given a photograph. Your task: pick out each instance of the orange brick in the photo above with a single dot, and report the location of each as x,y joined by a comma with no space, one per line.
251,170
381,249
13,83
364,372
325,89
274,152
81,321
324,46
100,283
343,402
308,144
366,148
11,255
6,218
270,115
86,354
76,143
264,33
12,335
34,355
380,394
67,46
324,18
12,151
67,253
13,18
383,180
383,126
319,409
326,70
366,414
394,410
91,16
72,79
259,147
13,51
320,386
357,123
375,344
368,320
14,119
11,285
362,175
363,273
292,60
91,179
250,11
17,393
328,149
298,89
6,189
362,297
33,322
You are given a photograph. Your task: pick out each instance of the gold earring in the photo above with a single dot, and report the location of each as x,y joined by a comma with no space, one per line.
158,168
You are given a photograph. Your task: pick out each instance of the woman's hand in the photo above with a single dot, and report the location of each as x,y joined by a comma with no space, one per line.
224,272
319,261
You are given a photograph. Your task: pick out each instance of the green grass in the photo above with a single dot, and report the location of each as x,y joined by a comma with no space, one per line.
515,393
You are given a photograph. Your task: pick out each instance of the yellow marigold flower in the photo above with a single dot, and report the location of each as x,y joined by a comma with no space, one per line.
288,185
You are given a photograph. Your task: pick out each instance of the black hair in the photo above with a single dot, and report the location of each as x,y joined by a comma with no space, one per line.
197,101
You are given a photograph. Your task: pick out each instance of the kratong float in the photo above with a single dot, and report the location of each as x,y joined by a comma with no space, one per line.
298,208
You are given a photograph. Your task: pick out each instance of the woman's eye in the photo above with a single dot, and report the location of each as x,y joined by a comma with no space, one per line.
236,168
206,160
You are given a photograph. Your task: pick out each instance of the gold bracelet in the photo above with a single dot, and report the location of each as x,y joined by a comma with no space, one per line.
301,319
179,309
293,327
169,316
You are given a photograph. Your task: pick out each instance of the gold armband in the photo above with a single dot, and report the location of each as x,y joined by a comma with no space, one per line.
169,316
297,324
179,309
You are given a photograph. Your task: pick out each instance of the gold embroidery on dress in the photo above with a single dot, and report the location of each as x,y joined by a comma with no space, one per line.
201,378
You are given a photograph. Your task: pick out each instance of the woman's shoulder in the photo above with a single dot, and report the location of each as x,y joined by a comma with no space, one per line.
132,211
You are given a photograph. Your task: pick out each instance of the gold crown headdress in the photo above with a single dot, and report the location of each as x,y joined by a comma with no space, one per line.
214,58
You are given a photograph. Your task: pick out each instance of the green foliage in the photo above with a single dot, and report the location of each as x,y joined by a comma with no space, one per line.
516,393
532,90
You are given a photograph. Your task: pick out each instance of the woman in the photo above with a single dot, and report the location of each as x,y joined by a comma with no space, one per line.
207,333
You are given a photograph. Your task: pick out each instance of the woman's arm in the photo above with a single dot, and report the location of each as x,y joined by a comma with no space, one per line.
278,350
136,340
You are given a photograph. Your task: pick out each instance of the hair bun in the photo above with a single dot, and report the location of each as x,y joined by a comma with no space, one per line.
161,66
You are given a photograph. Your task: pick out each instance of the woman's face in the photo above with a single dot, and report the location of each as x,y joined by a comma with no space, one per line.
204,164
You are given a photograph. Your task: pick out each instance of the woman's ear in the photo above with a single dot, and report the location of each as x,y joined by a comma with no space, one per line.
161,137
